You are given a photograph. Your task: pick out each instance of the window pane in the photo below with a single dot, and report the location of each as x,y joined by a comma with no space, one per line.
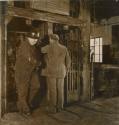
91,49
100,58
100,41
96,58
97,40
97,49
91,42
100,49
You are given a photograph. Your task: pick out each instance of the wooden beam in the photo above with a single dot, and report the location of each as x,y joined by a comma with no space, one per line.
43,16
85,35
3,55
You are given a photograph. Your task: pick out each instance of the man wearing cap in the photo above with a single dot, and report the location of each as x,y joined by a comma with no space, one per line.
25,72
57,64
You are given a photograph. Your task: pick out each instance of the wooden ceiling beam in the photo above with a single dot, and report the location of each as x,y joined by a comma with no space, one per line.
43,16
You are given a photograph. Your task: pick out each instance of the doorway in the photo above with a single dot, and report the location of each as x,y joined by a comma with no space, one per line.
70,37
17,28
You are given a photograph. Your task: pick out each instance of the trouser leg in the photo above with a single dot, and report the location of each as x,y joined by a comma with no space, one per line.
33,88
60,93
52,93
22,97
43,92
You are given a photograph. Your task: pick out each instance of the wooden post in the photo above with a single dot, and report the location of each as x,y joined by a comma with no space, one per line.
50,27
85,36
2,59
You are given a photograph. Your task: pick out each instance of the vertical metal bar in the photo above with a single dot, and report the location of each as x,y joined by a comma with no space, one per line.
99,49
92,80
72,78
71,74
69,79
0,66
5,66
77,72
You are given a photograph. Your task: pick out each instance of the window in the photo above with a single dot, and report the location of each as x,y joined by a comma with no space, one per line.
96,46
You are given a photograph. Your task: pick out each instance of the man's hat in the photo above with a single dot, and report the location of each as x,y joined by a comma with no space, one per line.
33,35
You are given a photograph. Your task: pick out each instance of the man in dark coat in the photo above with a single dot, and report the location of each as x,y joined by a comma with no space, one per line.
57,64
25,72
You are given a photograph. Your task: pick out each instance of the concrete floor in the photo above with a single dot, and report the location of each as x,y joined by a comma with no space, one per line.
98,112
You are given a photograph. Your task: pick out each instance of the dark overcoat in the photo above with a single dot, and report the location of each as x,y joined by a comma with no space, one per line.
26,61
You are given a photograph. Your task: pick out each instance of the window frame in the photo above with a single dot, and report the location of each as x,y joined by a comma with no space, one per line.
96,54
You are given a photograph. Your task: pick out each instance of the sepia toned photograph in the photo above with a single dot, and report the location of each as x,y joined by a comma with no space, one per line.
59,62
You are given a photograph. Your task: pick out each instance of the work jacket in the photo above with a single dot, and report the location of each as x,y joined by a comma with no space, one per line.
57,60
26,60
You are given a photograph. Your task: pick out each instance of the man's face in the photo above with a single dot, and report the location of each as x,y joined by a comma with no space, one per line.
32,41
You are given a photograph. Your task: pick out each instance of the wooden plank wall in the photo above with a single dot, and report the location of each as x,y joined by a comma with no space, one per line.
53,6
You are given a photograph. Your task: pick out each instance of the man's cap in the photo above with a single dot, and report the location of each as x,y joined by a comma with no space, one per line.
54,36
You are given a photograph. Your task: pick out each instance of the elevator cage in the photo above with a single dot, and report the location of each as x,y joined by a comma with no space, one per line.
70,36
